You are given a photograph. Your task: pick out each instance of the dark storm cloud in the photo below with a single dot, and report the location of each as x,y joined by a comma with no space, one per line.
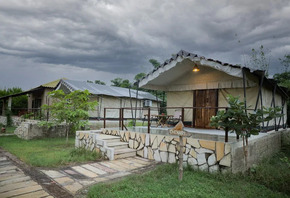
119,37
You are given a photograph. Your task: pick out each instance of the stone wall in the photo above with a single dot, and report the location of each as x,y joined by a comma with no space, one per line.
90,140
263,146
16,120
30,130
204,155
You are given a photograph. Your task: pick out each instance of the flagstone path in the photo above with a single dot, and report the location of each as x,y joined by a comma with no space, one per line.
15,183
77,177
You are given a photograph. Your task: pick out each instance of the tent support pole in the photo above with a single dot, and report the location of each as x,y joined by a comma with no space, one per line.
274,105
134,124
104,117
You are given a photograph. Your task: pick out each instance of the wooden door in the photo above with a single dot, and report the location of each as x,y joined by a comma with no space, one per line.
205,98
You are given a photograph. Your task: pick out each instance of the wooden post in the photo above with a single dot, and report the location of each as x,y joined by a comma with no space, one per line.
226,131
104,117
182,114
180,158
148,128
122,117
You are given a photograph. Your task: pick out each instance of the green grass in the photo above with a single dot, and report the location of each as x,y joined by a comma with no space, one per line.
10,129
48,152
270,179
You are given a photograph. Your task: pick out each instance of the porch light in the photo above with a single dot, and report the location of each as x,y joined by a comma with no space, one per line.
195,68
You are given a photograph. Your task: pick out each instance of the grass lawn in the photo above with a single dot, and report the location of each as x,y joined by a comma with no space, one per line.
48,152
10,129
266,180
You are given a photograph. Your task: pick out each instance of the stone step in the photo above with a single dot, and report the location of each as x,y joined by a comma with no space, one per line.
117,145
110,138
124,153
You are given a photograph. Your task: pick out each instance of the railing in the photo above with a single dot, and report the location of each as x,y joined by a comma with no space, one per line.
182,109
32,113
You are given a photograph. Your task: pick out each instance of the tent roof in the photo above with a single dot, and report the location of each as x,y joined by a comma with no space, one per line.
182,63
97,89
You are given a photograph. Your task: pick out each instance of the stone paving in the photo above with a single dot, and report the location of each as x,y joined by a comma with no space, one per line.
77,177
14,183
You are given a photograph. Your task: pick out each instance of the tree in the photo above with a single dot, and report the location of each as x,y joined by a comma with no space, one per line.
18,103
98,82
70,109
139,76
154,62
259,59
237,119
285,62
119,82
89,81
283,80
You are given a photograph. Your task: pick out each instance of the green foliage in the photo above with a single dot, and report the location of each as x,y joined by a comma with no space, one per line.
285,62
235,119
163,182
47,152
155,63
259,59
139,76
9,121
70,109
119,82
100,82
18,103
274,173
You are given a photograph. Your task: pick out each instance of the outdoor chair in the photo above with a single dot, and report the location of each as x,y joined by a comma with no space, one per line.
176,118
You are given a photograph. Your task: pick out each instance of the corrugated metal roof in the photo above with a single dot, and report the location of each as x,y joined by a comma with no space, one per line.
97,89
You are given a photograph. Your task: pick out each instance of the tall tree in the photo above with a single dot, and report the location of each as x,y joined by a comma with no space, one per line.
100,82
119,82
259,59
285,61
139,76
154,62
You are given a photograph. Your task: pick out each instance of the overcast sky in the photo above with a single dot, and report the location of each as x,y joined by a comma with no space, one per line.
43,40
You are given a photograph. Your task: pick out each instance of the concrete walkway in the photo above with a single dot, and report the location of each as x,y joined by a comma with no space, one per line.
77,177
14,183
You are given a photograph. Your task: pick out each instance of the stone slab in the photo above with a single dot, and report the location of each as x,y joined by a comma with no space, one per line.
15,180
84,171
64,181
21,191
94,169
104,168
15,186
37,194
53,174
73,187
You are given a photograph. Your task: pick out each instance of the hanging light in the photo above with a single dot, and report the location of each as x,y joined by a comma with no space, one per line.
195,68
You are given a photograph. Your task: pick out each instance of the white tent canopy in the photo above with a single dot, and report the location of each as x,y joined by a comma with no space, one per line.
176,74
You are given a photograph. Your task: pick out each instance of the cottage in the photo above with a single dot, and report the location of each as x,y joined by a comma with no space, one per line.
199,87
112,98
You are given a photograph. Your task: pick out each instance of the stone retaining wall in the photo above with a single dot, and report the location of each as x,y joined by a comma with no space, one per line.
199,154
16,120
30,130
205,155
